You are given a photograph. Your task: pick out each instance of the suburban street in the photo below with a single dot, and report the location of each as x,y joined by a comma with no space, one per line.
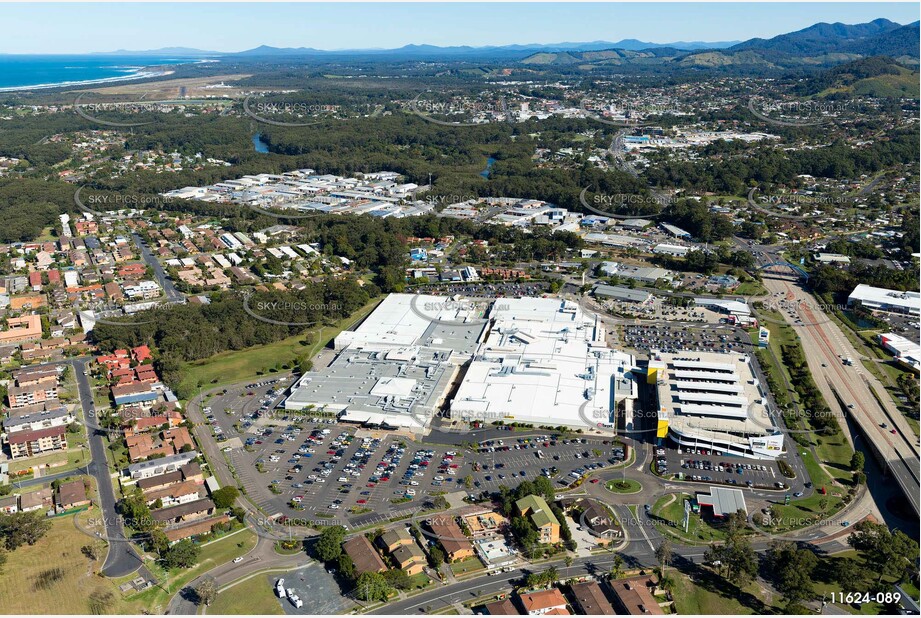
172,294
121,559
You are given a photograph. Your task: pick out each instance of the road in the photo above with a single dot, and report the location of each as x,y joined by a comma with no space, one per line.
639,551
121,559
825,346
172,294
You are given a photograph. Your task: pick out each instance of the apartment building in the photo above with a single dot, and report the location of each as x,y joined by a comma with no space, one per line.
24,444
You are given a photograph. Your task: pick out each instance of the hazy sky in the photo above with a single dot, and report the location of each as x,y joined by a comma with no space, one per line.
81,28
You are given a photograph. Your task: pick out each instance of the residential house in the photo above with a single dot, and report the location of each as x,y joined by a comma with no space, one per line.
410,558
544,602
632,596
9,505
41,500
72,495
188,511
451,538
589,599
505,607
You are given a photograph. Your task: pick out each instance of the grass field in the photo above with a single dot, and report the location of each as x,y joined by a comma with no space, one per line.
700,597
60,461
466,566
231,367
253,596
212,554
54,577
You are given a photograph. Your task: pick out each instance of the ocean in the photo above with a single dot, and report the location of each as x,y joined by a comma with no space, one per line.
25,72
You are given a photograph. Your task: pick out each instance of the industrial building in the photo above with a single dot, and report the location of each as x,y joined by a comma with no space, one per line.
881,299
905,350
621,294
713,401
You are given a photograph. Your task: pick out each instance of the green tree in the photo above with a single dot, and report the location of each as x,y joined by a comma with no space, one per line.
329,546
372,586
436,557
664,554
617,567
792,570
397,578
183,554
23,529
887,553
735,559
225,497
857,461
346,566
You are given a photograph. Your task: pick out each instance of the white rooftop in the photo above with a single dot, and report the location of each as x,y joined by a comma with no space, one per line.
544,361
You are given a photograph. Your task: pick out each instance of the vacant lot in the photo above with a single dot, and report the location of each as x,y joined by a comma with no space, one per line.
54,577
253,596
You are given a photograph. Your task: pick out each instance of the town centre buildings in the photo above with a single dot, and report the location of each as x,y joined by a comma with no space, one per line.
534,360
539,361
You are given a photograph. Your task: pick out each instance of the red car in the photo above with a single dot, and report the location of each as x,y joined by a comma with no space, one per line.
454,465
594,480
362,501
371,485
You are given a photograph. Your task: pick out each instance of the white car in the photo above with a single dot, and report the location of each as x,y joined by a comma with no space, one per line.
238,560
410,492
334,506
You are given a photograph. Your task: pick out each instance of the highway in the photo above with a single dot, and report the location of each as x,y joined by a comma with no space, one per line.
825,347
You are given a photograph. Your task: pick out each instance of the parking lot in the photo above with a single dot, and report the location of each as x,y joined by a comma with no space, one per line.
719,338
316,470
487,290
715,467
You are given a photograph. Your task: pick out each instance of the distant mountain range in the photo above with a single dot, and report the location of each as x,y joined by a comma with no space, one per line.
182,52
819,44
425,50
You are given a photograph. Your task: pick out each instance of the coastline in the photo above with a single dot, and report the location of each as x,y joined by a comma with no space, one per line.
88,82
141,73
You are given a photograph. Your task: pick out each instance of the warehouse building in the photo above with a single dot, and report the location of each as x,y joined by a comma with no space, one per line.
881,299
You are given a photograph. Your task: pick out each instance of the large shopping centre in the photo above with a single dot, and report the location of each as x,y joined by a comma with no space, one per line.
540,361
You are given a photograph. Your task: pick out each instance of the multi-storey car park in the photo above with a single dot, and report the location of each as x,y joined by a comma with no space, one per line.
713,401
